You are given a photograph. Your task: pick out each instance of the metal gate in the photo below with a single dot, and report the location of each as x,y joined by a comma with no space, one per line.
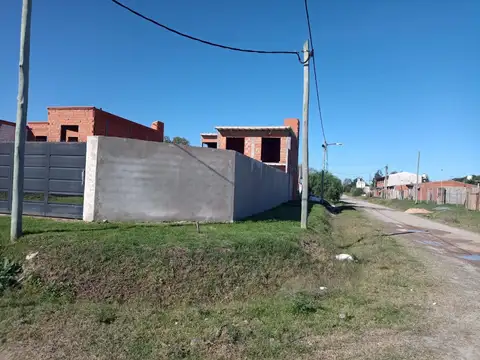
53,182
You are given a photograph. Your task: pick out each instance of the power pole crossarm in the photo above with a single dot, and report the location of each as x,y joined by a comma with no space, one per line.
306,100
21,123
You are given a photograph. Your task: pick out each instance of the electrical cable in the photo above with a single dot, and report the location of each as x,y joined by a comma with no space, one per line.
315,71
275,52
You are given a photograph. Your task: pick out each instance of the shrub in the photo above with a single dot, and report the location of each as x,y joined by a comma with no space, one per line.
357,192
9,273
333,188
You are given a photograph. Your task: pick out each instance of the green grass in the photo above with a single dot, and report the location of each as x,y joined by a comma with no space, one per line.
457,216
52,198
243,290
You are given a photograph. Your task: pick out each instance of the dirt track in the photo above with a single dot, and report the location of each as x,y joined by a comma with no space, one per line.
451,254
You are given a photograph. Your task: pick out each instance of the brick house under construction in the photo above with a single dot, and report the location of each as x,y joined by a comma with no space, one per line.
76,123
276,146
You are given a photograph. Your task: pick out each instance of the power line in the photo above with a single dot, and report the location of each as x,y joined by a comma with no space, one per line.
275,52
315,71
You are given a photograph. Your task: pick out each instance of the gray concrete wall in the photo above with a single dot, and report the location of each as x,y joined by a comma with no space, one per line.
258,187
134,180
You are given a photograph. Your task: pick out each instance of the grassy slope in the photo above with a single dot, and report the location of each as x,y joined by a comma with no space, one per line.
457,216
245,290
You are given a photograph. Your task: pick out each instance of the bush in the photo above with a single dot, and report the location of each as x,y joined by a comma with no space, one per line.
333,188
357,192
9,273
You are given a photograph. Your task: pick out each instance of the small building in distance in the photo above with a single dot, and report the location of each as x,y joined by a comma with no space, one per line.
276,146
76,123
360,183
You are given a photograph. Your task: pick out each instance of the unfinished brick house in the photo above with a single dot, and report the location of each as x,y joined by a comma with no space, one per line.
7,131
76,123
276,146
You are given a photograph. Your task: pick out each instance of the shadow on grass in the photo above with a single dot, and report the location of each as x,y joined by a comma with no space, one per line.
289,211
344,206
69,230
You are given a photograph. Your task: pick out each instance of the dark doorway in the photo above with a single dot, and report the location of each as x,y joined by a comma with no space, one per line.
271,150
212,145
237,144
68,132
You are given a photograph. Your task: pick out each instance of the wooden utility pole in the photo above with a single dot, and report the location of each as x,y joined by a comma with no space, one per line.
385,182
418,170
306,101
21,123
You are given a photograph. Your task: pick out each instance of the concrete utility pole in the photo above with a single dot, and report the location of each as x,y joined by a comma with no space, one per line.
21,123
306,101
385,182
418,171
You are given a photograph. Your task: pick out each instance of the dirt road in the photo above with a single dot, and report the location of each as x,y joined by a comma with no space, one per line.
453,256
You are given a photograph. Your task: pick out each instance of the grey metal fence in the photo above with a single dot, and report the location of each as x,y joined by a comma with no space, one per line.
54,179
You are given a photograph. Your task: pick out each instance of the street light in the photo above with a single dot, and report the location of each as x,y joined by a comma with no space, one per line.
325,146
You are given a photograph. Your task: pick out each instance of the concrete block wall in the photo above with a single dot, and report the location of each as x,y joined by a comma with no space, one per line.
133,180
258,187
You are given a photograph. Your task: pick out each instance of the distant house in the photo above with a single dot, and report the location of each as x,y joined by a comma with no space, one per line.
400,185
360,184
399,179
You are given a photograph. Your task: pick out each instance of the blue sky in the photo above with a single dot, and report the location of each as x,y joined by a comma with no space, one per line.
395,76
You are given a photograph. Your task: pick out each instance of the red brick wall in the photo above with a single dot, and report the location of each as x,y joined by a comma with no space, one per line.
92,121
7,131
80,116
37,129
253,147
293,154
108,124
253,139
208,139
432,187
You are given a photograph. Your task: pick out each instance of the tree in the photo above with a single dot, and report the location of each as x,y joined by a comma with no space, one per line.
176,140
332,185
378,175
348,184
471,179
357,192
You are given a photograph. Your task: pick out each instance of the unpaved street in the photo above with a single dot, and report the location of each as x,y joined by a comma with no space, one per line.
453,257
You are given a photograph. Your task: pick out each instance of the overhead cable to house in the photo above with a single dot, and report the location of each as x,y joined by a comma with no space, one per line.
274,52
317,92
